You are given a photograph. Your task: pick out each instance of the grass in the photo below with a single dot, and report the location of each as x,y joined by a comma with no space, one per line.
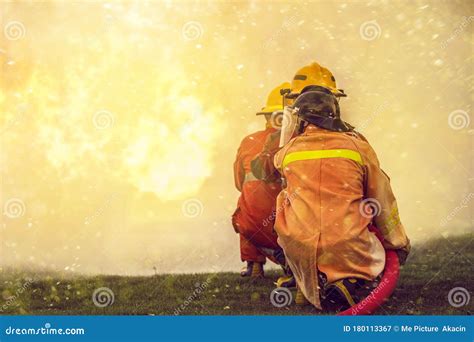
432,270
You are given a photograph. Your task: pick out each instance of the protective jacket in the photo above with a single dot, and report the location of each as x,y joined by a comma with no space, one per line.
255,213
334,189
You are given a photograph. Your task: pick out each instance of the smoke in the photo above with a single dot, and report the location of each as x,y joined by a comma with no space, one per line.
120,121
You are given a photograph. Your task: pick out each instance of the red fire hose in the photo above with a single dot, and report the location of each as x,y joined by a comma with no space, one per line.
383,291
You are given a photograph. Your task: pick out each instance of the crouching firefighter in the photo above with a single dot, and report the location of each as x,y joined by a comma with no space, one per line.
255,213
309,75
335,190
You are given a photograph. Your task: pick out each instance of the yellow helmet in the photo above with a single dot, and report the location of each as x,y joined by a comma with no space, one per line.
314,74
275,99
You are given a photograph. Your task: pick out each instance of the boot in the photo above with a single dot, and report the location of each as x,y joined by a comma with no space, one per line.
286,281
300,299
344,293
253,269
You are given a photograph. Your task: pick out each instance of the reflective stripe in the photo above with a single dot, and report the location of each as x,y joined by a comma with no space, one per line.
322,154
345,292
249,176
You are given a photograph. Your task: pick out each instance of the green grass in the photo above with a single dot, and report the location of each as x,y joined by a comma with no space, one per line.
432,270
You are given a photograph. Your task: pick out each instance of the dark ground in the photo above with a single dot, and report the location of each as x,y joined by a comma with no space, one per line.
432,270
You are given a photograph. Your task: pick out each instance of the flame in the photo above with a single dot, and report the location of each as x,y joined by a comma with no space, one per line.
171,155
109,117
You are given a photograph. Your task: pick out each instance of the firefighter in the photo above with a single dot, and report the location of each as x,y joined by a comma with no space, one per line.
255,214
309,75
335,189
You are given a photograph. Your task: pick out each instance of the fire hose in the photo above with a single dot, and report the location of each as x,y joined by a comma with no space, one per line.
383,291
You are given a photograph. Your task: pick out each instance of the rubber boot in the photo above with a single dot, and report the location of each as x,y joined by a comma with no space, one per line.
300,299
344,293
253,270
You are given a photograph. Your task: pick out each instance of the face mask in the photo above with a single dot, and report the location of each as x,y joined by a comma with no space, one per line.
288,125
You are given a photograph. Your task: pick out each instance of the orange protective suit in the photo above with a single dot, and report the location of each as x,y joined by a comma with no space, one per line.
322,219
255,213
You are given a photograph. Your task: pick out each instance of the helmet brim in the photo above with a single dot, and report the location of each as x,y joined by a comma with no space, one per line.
336,92
269,110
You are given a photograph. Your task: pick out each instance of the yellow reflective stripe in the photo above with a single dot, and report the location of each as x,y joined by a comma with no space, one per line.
345,292
322,154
